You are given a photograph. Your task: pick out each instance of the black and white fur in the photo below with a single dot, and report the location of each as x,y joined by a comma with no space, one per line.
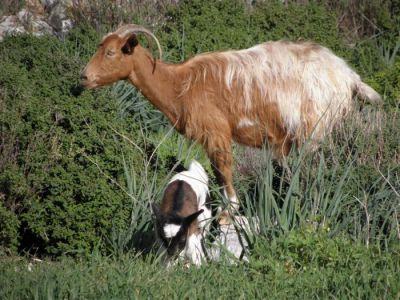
183,217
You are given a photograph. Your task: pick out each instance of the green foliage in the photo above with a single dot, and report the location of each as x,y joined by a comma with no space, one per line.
302,264
387,21
199,26
306,249
175,148
61,164
9,237
387,83
131,103
272,20
321,265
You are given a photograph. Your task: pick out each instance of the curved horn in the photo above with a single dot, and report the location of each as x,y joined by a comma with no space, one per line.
132,28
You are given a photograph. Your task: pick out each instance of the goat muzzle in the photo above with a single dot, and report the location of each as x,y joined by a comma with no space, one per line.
83,77
85,82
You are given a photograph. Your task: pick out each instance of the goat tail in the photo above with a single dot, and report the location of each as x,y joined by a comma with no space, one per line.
366,92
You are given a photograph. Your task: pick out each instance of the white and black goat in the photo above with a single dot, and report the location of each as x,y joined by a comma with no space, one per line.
183,217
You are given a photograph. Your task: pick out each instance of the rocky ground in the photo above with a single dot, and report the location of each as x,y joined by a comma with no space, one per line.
38,17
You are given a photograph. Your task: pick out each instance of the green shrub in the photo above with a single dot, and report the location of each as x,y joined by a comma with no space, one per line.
61,162
305,249
199,26
387,83
324,266
272,20
9,226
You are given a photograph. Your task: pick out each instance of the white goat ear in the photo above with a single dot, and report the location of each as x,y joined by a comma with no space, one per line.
189,219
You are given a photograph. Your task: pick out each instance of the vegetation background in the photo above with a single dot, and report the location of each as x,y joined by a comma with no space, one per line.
77,171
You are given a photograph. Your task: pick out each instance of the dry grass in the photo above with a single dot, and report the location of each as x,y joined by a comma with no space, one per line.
112,13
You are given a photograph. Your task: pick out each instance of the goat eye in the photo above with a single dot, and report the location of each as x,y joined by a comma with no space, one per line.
110,53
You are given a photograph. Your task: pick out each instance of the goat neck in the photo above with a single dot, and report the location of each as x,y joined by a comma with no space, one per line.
156,81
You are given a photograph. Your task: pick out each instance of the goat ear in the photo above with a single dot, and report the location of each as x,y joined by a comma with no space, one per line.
156,210
189,219
130,44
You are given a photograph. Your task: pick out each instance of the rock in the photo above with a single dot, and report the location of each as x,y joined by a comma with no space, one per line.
35,7
40,27
58,18
10,25
33,19
48,4
34,24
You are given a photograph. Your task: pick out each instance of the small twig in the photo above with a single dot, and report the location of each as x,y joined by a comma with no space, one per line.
160,143
365,206
128,139
108,177
388,182
397,223
372,23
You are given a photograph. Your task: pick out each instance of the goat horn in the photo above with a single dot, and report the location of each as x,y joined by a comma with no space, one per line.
132,28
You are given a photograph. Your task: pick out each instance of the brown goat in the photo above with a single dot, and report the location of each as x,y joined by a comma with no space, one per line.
277,92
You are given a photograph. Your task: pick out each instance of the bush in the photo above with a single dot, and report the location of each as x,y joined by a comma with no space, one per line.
61,164
387,83
321,265
9,237
312,22
198,26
